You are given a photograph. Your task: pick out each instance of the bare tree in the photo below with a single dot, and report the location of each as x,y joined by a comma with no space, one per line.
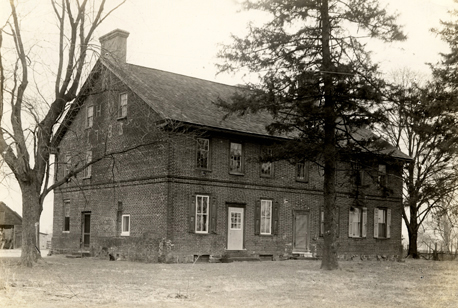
26,150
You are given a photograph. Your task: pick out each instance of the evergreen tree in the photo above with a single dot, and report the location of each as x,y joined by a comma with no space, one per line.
315,79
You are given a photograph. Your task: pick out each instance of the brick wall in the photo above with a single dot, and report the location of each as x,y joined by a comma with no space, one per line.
156,182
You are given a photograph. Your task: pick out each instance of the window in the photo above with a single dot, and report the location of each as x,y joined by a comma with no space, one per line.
89,116
203,153
125,225
122,111
266,217
68,162
98,110
267,166
381,180
358,175
357,221
66,216
235,164
202,214
337,221
236,221
88,170
382,222
302,172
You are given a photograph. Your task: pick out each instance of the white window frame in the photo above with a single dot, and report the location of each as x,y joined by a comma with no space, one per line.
236,158
202,214
125,229
122,111
202,151
89,116
266,217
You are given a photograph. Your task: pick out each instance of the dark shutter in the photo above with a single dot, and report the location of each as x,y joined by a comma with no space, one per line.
275,218
257,217
213,215
192,215
320,220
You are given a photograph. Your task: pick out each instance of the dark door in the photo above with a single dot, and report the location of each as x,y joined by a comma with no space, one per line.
86,229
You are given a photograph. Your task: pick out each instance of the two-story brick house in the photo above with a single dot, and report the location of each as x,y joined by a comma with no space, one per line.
177,180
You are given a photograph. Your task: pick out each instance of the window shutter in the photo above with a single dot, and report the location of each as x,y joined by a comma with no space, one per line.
192,215
320,219
388,223
257,217
376,222
350,223
275,218
364,222
213,215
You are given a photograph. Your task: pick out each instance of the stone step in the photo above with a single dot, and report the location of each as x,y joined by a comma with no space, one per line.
79,254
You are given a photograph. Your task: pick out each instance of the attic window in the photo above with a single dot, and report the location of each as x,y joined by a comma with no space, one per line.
89,116
122,110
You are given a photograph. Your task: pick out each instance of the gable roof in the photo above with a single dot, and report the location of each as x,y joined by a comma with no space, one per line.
188,99
11,217
191,100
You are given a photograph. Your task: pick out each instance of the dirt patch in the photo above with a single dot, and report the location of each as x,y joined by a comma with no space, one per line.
89,282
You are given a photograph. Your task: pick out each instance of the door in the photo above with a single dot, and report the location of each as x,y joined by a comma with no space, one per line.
301,232
86,228
235,228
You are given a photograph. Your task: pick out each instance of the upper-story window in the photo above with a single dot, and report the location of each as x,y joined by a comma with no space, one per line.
203,153
122,110
267,166
381,180
236,159
89,116
66,226
68,164
302,172
87,172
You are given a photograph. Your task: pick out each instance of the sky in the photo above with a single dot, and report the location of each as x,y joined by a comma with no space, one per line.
184,36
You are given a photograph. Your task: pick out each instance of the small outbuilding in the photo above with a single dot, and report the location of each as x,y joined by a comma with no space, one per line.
10,228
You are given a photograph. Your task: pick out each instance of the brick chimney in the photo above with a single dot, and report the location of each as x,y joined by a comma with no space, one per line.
114,45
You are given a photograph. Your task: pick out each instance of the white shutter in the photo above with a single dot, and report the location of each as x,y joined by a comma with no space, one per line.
350,223
364,222
388,223
376,222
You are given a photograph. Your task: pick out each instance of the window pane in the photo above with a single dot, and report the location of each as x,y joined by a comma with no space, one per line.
236,221
236,157
266,216
125,223
202,213
203,149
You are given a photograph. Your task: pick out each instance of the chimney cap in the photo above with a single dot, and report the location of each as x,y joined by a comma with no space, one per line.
111,34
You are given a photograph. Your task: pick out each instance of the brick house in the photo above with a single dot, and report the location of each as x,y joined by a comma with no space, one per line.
180,182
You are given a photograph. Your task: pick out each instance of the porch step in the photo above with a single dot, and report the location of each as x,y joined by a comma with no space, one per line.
238,256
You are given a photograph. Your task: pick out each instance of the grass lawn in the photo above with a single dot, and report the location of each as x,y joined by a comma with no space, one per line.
89,282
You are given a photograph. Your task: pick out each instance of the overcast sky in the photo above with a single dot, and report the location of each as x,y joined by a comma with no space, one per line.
182,36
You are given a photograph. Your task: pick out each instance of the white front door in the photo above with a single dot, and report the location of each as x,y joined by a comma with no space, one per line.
235,228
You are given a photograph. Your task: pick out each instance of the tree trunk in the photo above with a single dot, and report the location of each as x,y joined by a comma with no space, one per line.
329,260
31,210
413,249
